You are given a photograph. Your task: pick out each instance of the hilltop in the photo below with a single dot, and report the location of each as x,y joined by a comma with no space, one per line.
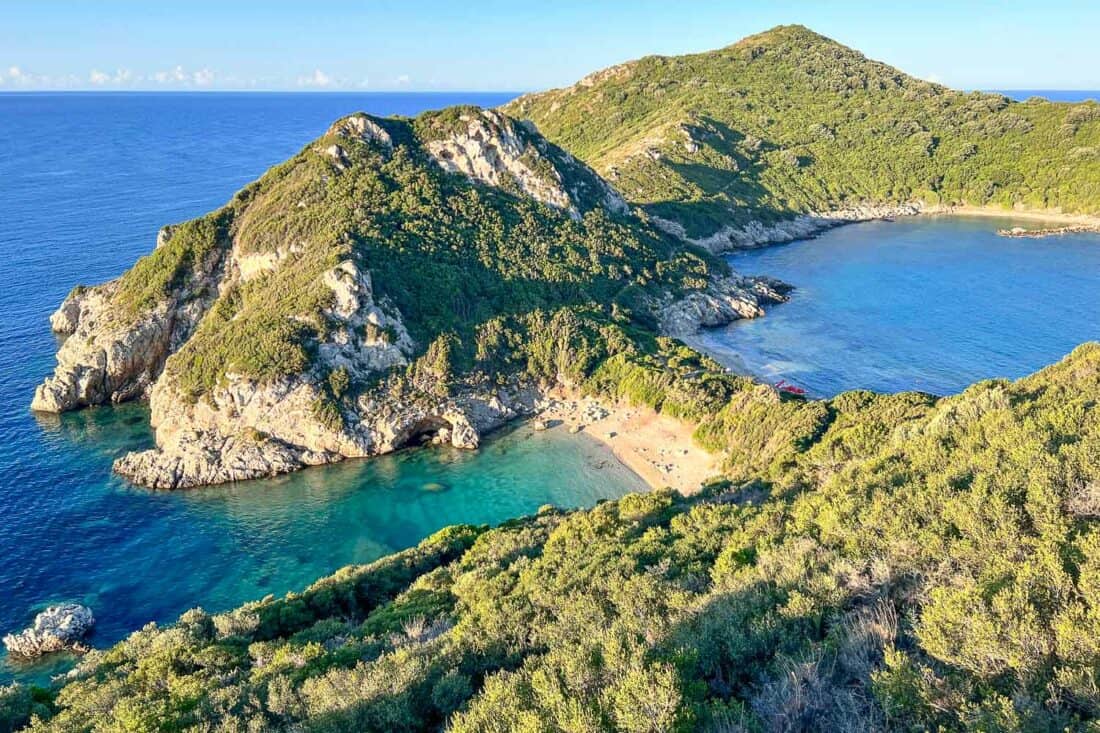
724,146
397,281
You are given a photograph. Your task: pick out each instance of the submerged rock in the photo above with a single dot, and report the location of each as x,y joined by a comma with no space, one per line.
56,629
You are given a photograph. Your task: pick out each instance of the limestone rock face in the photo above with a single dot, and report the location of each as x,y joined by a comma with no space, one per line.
253,431
55,629
246,429
757,234
111,355
725,300
361,126
104,360
493,149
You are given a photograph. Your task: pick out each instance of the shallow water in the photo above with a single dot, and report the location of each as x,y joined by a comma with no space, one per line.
87,181
924,303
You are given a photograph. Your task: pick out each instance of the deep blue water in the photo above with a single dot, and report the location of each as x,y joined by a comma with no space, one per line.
926,303
85,182
1054,95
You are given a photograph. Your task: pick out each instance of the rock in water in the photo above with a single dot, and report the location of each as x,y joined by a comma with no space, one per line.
55,629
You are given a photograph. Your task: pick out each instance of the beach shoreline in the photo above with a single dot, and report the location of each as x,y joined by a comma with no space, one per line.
658,448
1038,215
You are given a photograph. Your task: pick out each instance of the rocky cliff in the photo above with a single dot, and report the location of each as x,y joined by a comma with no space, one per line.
113,353
397,282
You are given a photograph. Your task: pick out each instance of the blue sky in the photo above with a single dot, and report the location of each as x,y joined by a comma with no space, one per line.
515,46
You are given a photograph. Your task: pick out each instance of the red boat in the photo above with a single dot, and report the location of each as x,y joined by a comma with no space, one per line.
783,386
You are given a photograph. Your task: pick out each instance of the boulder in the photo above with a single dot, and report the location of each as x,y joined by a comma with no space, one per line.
55,629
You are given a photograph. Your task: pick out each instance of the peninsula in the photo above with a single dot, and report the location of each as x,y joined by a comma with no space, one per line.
398,281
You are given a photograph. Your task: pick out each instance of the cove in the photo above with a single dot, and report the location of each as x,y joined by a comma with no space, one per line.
929,303
89,181
136,556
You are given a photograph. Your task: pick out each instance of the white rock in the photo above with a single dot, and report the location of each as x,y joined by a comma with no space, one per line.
55,629
757,234
491,149
725,300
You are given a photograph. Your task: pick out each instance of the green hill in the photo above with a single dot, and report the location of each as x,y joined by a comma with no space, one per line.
789,121
869,562
397,280
875,562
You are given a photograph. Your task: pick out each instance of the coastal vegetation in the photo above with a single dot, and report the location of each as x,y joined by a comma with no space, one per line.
867,562
448,255
873,561
788,122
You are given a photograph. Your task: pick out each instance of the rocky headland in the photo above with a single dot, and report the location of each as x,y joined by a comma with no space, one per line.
279,332
802,226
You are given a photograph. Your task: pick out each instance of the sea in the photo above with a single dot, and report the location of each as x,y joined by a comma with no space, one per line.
86,180
928,303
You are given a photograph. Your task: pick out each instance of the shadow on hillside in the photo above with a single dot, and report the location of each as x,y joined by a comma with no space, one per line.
732,195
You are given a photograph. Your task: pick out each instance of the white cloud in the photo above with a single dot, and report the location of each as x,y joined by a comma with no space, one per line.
403,80
203,77
318,79
175,76
121,77
20,77
178,76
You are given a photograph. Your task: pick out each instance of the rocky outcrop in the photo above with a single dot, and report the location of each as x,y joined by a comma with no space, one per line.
56,629
1049,231
106,359
493,149
113,355
758,234
247,429
725,300
362,127
252,431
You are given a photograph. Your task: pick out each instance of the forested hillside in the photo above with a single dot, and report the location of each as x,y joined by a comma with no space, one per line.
789,121
874,561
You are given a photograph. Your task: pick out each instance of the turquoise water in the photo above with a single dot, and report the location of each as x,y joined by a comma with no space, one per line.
134,555
926,303
87,181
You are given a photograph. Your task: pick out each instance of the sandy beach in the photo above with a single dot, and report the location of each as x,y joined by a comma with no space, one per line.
658,448
1049,217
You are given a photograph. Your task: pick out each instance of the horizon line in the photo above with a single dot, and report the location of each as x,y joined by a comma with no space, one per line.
12,92
278,91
